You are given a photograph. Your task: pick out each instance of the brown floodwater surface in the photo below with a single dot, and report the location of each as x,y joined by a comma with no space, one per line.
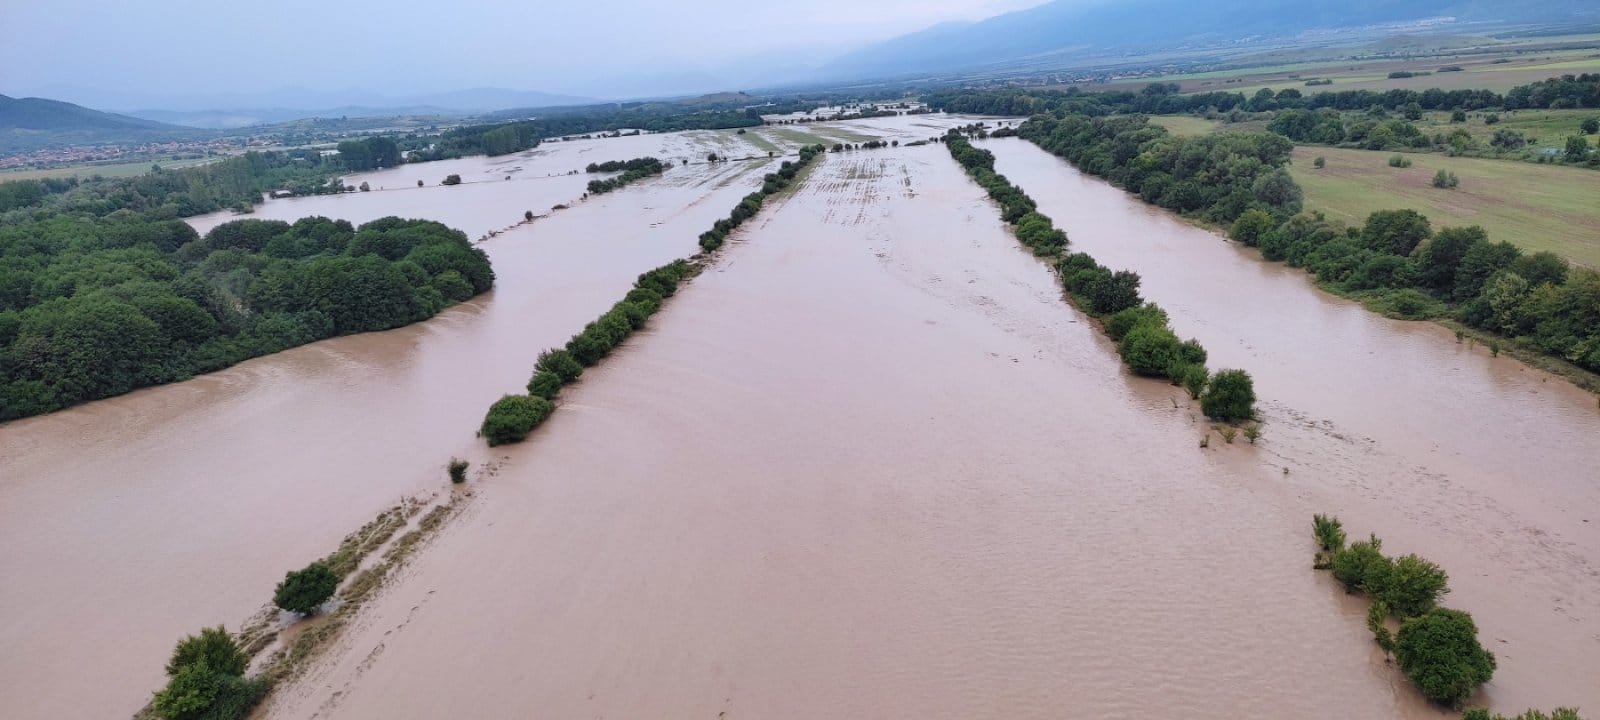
1481,464
868,465
129,522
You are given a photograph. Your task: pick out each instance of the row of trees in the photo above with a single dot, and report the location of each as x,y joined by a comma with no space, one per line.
1144,337
1437,648
773,183
513,417
636,169
1567,91
95,307
1403,266
1375,130
1215,177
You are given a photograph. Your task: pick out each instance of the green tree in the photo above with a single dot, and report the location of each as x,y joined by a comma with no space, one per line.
1149,350
1251,226
1360,566
544,384
560,363
1439,652
1438,258
1397,232
512,417
303,591
1413,586
198,692
1577,149
1230,396
214,647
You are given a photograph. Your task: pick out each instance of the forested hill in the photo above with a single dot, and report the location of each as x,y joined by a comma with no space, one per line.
37,122
1065,27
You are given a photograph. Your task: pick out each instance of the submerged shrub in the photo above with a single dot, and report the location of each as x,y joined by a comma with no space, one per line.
1360,563
458,470
1412,586
1229,397
1378,623
544,384
561,364
514,416
214,647
1119,324
1329,532
303,591
1149,350
590,346
198,692
1439,651
1194,380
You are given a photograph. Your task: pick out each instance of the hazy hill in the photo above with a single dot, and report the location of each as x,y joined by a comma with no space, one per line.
1064,27
34,123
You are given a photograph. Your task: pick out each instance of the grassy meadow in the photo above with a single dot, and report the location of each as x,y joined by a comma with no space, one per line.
1537,207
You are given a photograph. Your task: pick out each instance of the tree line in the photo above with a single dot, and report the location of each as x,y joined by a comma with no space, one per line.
1145,339
1567,91
1404,267
513,417
1395,261
92,307
1215,177
635,169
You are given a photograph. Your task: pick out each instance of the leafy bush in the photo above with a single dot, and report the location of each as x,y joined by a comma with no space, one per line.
1556,714
559,362
1194,379
214,647
1120,323
1439,651
198,692
1399,161
512,417
458,470
1446,180
1229,397
1329,532
452,179
1149,350
303,591
1361,565
544,384
590,346
1412,586
1252,225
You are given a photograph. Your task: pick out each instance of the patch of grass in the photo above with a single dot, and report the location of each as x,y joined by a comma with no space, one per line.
1185,125
1536,207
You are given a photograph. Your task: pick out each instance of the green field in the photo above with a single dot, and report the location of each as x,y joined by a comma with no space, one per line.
1185,125
1543,128
1537,207
123,169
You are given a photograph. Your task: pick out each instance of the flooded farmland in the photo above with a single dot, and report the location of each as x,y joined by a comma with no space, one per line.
869,464
141,518
1479,463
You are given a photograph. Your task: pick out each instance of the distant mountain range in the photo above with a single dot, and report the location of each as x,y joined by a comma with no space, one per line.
237,110
1064,28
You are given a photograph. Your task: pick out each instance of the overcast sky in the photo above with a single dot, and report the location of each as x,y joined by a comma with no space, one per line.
609,48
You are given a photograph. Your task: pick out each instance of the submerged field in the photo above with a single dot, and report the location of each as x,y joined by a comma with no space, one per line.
868,464
1537,207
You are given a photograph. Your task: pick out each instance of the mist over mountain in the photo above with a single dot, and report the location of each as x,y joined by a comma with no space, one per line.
1067,27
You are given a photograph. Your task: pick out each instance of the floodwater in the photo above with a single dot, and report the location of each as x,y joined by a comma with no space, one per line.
131,521
868,465
1481,464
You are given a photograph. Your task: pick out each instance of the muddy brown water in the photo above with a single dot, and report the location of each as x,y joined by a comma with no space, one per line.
868,465
1482,464
131,521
